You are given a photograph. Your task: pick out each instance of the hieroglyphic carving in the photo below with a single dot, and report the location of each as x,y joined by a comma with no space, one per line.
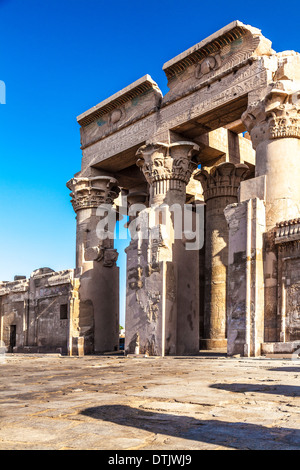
104,251
121,140
149,301
176,113
205,100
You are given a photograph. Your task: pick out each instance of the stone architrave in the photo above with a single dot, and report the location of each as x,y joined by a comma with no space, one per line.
220,188
98,317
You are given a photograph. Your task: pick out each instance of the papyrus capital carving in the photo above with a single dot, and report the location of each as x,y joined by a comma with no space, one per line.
277,114
92,192
167,167
222,180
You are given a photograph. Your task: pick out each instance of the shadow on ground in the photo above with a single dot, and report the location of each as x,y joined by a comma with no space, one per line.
232,435
286,369
284,390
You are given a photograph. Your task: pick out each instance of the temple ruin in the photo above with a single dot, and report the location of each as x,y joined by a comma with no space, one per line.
221,146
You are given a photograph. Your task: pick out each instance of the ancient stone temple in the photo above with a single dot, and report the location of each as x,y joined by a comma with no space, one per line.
223,146
207,180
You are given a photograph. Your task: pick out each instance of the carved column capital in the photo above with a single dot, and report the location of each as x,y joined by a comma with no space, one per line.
91,192
137,197
222,180
276,114
167,167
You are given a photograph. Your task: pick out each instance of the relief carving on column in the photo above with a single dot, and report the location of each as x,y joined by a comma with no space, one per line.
276,115
222,180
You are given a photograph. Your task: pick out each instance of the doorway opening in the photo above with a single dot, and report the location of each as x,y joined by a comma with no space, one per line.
12,337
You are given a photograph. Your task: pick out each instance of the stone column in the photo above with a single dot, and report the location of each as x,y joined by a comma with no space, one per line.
135,265
96,328
273,121
220,187
160,282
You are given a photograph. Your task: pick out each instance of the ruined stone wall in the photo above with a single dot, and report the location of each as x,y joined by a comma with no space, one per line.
287,239
35,312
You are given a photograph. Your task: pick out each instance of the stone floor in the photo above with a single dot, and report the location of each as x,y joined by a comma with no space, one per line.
135,403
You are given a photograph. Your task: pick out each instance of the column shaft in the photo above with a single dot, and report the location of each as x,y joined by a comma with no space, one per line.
96,325
220,189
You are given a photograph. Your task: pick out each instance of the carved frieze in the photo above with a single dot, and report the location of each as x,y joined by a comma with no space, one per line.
287,231
131,104
192,106
229,49
233,54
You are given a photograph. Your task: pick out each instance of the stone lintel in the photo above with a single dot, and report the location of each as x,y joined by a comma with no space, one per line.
135,89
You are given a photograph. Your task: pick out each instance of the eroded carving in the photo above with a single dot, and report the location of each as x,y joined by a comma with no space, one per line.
207,65
167,167
92,192
276,115
222,180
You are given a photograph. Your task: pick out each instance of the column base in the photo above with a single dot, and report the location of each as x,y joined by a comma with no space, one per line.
212,344
78,346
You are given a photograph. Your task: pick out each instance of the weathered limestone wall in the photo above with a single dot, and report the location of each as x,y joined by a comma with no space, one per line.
35,312
287,242
287,248
245,291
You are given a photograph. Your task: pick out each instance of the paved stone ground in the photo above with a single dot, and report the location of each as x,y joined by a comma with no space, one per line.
134,403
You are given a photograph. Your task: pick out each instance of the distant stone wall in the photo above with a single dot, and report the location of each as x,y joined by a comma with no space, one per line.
35,312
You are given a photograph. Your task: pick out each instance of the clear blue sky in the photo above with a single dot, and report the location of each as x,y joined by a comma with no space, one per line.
60,57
